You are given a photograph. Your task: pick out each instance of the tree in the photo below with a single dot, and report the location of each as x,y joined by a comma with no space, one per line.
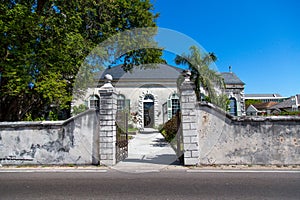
203,76
43,43
249,102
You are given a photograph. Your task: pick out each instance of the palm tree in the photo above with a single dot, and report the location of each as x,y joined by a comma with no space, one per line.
202,75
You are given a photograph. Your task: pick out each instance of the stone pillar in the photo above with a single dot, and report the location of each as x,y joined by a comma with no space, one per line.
188,121
108,129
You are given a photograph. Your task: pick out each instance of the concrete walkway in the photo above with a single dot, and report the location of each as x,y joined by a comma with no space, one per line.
148,151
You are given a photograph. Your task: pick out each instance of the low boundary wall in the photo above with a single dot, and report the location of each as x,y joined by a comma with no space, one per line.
74,141
211,136
224,139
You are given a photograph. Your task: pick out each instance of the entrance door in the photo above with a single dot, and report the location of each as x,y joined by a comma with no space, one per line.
148,114
233,106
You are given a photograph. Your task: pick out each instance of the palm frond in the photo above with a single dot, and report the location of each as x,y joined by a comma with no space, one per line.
202,75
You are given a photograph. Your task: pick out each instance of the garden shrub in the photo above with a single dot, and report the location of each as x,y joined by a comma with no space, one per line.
170,128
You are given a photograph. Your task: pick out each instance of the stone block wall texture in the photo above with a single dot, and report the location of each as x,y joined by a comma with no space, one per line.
224,139
107,126
74,141
188,122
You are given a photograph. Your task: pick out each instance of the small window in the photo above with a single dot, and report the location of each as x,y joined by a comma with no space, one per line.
94,101
175,106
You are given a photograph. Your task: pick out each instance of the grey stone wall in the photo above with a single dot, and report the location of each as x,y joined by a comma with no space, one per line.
224,139
188,122
108,129
74,141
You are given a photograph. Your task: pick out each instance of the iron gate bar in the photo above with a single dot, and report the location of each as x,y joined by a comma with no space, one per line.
122,136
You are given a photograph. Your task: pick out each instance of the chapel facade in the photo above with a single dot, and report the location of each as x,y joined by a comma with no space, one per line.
151,95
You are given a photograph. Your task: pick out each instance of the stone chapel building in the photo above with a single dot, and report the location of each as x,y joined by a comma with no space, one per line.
152,96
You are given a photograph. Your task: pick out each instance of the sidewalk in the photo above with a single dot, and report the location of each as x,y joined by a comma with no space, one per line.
148,151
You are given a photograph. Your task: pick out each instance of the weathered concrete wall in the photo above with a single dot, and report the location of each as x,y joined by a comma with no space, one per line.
224,139
74,141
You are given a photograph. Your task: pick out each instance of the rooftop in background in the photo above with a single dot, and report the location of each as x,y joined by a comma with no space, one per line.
264,105
262,95
289,103
266,97
231,78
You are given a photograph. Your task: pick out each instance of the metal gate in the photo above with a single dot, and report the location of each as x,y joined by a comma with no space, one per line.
179,139
122,136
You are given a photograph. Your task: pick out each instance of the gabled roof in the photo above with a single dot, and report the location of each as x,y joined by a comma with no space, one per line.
251,108
231,78
160,71
292,101
265,105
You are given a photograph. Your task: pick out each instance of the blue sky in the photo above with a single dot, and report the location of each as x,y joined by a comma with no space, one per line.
260,39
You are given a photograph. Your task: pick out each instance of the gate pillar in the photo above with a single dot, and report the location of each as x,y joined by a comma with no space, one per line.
188,120
107,135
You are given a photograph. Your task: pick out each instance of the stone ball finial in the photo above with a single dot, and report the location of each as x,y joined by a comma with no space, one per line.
107,85
108,78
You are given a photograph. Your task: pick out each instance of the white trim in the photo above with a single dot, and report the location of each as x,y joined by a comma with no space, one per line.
296,100
141,108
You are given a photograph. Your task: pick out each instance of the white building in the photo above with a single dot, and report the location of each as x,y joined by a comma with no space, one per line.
151,95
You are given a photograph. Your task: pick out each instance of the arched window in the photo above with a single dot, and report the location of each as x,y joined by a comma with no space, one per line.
123,103
94,101
173,104
232,106
120,102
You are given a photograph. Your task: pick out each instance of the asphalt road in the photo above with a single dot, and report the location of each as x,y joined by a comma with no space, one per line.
158,185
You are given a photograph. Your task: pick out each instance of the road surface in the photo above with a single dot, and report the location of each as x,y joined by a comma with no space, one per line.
176,184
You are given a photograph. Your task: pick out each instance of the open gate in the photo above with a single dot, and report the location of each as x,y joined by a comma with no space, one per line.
122,135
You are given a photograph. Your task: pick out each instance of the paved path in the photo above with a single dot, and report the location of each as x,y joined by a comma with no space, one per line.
148,151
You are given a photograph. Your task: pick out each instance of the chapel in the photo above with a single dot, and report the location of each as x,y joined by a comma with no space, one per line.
151,95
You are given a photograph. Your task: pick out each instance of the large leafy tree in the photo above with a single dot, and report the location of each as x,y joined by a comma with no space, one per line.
43,43
204,76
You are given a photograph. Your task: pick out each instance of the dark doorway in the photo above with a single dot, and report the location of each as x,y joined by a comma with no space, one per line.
148,111
233,106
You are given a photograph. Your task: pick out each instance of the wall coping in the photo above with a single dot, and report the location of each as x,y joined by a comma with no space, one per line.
44,123
221,112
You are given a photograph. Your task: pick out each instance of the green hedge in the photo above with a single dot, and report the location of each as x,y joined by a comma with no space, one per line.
170,128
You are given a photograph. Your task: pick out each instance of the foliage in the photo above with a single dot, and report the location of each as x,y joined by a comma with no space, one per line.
43,44
28,117
222,101
203,76
79,109
134,117
249,102
170,128
290,113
